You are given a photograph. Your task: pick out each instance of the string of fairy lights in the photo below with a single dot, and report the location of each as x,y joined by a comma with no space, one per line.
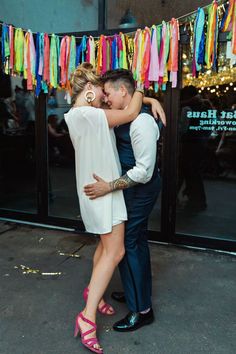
221,82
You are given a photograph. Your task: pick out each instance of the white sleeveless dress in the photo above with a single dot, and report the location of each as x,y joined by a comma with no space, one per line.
95,152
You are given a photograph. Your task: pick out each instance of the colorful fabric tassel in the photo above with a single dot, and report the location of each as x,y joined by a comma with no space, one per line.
146,58
234,29
164,53
29,63
135,55
92,51
63,61
115,52
11,43
198,40
39,62
123,53
99,55
104,54
5,47
19,50
83,48
54,61
153,74
46,59
227,21
212,36
174,51
72,58
140,50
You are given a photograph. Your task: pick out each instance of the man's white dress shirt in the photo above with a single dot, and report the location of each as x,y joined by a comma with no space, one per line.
144,134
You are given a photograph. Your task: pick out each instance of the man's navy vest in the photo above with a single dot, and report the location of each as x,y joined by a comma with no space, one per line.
124,147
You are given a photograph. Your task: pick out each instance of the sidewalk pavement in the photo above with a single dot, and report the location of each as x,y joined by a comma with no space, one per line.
194,297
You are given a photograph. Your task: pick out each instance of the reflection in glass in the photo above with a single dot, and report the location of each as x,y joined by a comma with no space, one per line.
62,194
207,149
17,146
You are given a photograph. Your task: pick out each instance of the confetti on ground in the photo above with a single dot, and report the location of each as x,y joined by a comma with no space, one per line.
69,255
28,270
107,329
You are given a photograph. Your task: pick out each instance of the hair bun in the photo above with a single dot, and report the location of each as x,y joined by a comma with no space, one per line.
86,66
83,68
83,74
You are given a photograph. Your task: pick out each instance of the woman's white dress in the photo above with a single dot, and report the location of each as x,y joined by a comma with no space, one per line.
95,152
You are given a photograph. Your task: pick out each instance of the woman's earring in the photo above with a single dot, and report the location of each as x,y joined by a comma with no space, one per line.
89,96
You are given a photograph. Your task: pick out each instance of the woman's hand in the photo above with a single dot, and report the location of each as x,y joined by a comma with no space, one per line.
97,189
156,107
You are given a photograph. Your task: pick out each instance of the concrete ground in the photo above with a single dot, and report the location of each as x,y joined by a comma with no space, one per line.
194,297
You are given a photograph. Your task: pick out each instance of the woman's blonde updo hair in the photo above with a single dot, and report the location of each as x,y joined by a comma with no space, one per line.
83,74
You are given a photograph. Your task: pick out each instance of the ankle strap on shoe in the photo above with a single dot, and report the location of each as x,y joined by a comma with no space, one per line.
88,321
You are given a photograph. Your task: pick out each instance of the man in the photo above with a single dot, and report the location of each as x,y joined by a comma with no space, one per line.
140,180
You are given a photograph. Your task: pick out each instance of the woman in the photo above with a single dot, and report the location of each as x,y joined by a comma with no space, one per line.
95,150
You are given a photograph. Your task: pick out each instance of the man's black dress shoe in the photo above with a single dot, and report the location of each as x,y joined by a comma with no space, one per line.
133,321
118,296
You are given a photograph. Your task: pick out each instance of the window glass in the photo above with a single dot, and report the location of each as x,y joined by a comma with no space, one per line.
17,146
206,199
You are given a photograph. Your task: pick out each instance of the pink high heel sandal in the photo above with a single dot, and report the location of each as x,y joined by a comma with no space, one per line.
105,309
90,342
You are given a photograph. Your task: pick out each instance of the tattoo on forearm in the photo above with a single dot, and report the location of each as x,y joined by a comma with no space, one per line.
122,183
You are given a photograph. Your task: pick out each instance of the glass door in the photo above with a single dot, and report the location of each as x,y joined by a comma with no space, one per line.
18,182
206,186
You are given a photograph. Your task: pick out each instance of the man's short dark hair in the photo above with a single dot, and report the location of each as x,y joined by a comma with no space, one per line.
118,77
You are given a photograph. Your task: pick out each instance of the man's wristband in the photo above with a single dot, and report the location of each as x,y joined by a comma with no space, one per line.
140,90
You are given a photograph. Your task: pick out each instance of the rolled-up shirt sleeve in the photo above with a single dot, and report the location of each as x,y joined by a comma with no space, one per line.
144,134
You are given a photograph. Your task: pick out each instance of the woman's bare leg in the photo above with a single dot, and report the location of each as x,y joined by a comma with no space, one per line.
96,257
111,255
97,253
